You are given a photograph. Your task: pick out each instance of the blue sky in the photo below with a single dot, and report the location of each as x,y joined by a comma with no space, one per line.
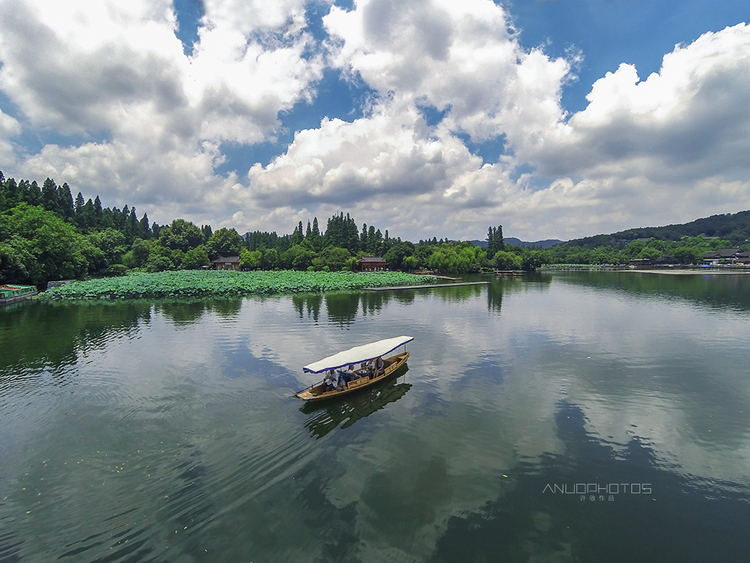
554,118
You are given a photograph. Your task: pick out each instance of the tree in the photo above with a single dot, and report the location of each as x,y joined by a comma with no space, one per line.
89,216
534,259
66,202
315,237
177,256
271,258
33,193
195,259
342,232
111,242
99,214
145,230
224,242
141,250
374,241
11,194
158,263
363,238
332,257
250,259
78,208
297,257
650,253
49,197
44,245
297,235
397,253
687,255
180,235
495,241
15,260
503,260
132,227
410,263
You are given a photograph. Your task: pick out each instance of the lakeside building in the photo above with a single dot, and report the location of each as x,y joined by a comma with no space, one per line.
226,263
371,264
727,256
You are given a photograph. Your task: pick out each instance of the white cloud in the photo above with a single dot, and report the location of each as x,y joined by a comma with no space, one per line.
689,117
115,73
9,128
81,73
452,55
668,148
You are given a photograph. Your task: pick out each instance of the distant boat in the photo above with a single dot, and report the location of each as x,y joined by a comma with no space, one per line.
13,293
342,374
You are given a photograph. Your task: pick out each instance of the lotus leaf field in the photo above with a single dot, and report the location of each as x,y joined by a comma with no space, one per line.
191,283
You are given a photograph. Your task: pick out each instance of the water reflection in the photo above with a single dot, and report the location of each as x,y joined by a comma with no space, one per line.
718,291
308,305
35,335
177,436
344,308
325,416
495,296
678,520
185,312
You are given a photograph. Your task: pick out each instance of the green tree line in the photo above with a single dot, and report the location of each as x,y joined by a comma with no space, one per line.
47,234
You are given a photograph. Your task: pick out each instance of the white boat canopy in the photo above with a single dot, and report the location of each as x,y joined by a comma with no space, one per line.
358,354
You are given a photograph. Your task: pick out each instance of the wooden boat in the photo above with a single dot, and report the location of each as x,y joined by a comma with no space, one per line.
349,379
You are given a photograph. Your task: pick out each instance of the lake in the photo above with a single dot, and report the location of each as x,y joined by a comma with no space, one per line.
577,416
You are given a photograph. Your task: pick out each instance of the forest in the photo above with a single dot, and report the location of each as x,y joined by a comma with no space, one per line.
47,234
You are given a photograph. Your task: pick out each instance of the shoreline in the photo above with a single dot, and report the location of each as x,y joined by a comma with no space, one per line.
690,272
667,271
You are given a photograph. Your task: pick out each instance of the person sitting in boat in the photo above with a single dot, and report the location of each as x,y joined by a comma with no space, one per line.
331,381
346,376
379,366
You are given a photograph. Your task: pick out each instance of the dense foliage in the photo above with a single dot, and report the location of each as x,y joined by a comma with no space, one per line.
225,282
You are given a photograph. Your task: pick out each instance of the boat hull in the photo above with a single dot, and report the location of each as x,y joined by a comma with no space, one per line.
317,391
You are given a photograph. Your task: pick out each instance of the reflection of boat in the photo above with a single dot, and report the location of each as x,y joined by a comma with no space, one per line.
340,381
324,417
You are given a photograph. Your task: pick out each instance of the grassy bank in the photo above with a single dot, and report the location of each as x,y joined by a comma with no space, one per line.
196,283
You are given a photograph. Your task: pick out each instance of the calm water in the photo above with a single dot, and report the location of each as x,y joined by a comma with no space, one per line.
570,417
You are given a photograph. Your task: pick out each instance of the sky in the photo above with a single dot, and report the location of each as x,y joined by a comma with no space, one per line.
428,118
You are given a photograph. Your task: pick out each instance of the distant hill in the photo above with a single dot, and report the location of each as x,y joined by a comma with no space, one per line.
734,227
518,242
